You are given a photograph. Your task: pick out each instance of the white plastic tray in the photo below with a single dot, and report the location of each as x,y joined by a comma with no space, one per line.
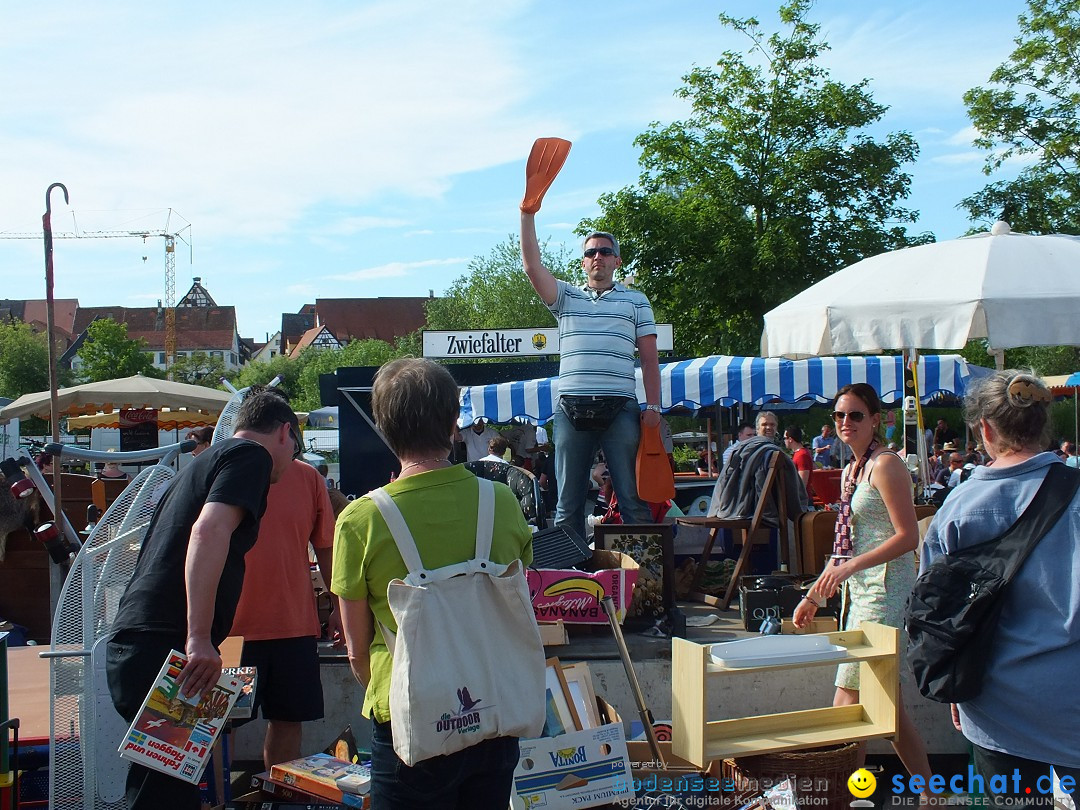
767,651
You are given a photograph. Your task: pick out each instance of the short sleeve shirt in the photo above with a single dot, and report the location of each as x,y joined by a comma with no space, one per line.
234,472
439,508
278,600
802,460
598,334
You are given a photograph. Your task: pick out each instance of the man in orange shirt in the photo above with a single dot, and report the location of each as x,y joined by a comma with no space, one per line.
277,614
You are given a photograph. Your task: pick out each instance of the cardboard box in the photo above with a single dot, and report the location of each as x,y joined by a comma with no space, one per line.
553,634
574,596
758,604
642,761
580,769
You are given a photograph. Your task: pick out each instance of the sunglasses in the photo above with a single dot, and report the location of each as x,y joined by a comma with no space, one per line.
298,448
854,416
603,251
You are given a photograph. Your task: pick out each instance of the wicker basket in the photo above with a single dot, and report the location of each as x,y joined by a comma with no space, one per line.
818,774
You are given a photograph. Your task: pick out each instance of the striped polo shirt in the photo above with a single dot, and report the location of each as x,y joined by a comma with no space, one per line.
598,336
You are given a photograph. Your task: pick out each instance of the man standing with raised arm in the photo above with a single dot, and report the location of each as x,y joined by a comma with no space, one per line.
600,326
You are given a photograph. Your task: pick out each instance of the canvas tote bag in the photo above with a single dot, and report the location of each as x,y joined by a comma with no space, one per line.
468,660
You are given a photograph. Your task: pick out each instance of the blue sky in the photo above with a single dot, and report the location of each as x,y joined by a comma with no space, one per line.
357,149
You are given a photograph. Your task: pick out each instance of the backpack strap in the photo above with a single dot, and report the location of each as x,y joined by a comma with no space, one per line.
1055,495
403,539
485,519
399,530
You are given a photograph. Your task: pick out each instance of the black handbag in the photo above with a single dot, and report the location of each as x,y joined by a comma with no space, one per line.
953,610
592,413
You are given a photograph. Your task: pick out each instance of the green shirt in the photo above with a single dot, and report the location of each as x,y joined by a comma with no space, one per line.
439,508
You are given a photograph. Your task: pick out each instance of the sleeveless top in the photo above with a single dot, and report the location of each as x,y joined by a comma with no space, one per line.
877,594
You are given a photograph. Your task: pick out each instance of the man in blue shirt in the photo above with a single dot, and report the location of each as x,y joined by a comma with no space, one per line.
823,447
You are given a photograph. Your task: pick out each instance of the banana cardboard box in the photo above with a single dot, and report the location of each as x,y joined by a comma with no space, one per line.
580,769
574,596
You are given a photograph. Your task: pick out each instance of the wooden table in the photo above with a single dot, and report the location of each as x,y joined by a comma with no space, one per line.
28,685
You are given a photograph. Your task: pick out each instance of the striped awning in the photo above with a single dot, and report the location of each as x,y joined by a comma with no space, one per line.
1063,384
725,380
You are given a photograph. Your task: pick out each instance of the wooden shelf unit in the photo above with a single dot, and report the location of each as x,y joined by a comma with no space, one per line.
875,647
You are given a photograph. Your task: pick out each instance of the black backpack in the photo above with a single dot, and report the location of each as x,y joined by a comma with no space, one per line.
953,610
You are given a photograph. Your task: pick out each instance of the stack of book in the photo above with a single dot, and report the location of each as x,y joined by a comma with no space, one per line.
314,782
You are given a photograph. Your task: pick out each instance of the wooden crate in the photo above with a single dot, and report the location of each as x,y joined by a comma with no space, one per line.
700,741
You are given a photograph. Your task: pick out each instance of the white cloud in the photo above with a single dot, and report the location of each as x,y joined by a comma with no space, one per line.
960,158
394,269
351,225
314,106
964,137
918,55
475,230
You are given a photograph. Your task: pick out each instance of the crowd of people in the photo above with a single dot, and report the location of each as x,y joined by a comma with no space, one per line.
236,524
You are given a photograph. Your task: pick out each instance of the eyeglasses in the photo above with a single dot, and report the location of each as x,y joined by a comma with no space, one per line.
854,416
298,449
603,251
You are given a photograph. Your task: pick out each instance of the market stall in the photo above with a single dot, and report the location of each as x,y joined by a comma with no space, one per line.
727,380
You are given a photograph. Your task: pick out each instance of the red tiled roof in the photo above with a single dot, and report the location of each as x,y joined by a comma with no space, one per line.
36,311
364,318
197,328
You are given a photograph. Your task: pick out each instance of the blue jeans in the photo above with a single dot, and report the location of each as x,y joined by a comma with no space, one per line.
480,777
575,451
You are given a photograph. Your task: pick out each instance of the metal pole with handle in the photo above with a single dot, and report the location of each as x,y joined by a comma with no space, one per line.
635,687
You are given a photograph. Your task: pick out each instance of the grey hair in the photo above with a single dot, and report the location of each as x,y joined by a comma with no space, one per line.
1016,403
601,235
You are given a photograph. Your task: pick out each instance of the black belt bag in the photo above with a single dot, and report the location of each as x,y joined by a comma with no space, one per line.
592,413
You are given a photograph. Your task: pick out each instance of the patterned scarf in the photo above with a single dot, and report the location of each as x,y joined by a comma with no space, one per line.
842,540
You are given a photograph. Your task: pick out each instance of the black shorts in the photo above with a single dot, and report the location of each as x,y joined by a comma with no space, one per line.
288,685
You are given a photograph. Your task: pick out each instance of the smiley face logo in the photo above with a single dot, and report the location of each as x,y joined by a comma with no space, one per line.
862,783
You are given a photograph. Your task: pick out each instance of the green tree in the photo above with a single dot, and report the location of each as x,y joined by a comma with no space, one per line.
1043,360
1031,111
108,354
495,293
24,360
771,184
326,361
198,368
300,375
262,373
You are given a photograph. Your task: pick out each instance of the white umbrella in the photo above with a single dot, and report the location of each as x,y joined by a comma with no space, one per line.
1012,289
127,392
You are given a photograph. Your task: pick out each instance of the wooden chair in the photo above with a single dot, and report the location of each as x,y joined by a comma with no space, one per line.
774,488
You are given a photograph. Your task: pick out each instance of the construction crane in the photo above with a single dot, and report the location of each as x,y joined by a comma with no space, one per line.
170,235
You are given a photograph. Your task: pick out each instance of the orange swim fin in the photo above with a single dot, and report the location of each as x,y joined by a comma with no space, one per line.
655,480
545,160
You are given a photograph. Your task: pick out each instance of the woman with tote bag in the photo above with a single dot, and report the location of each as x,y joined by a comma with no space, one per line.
449,517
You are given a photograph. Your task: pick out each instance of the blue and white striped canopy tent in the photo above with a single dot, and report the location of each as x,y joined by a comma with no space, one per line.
728,380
